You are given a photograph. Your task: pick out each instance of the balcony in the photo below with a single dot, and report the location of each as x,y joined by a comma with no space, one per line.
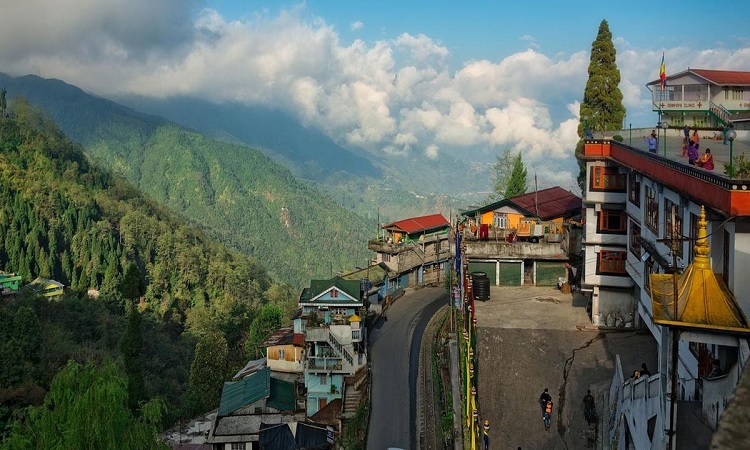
710,188
316,334
332,363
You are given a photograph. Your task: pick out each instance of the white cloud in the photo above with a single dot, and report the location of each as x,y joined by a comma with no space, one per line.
396,96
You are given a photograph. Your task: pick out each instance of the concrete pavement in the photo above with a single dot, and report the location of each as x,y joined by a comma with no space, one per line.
528,341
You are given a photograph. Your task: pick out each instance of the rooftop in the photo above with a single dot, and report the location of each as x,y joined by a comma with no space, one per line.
712,188
416,224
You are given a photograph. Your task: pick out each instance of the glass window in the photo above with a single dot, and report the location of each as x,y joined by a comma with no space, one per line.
607,179
634,243
501,220
611,262
651,212
634,190
612,220
237,446
670,209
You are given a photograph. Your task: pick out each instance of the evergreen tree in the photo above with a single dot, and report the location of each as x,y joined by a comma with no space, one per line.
3,102
86,407
130,347
207,372
268,321
131,286
517,184
601,108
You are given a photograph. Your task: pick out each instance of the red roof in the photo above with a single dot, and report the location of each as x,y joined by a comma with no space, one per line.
416,224
725,77
553,203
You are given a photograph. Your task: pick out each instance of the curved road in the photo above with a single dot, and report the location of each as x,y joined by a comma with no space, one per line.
394,358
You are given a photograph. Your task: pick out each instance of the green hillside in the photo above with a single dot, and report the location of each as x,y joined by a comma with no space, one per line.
235,193
64,218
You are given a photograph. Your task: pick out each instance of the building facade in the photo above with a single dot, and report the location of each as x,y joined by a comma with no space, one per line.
524,239
643,215
703,98
335,339
415,249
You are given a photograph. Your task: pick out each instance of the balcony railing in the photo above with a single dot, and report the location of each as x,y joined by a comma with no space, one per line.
325,363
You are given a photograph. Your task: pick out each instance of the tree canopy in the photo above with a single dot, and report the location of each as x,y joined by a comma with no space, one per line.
509,175
602,108
87,407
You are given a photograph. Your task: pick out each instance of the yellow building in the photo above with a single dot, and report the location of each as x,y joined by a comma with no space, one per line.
45,287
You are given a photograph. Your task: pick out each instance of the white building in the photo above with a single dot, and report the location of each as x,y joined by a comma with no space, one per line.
635,201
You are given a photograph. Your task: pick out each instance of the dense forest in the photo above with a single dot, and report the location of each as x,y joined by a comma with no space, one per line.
236,194
146,292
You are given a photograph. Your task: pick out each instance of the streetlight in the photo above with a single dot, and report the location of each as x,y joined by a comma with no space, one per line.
664,125
731,136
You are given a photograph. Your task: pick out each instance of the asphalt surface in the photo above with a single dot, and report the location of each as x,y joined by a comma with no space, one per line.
528,340
394,357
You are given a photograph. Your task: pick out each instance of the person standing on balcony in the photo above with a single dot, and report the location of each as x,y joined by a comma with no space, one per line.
692,153
652,142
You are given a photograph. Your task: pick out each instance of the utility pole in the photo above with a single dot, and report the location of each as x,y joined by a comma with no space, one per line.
674,245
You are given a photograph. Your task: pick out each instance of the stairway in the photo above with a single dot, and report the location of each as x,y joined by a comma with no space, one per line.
351,401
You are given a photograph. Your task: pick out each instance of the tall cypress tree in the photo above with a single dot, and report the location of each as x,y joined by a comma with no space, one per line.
601,108
517,182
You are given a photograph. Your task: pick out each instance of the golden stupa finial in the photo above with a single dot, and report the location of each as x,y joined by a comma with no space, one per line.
701,244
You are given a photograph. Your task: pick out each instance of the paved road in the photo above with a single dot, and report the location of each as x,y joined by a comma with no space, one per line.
528,340
394,353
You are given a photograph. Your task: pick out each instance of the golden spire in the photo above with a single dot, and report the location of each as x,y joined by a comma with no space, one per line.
702,249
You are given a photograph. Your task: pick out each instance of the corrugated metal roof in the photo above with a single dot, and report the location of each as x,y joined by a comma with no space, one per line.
552,203
282,336
237,394
422,223
724,77
281,395
317,287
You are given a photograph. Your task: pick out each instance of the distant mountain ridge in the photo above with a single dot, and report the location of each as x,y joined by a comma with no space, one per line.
301,148
235,193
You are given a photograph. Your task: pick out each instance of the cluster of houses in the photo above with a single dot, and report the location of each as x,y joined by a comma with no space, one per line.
314,375
10,283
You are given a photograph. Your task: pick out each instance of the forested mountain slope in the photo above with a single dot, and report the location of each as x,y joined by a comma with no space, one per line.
235,193
64,218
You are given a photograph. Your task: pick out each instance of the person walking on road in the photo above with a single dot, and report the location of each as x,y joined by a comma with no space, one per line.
543,399
589,407
547,415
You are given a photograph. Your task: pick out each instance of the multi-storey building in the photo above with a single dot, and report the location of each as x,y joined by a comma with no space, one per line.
416,249
644,214
703,98
336,355
524,239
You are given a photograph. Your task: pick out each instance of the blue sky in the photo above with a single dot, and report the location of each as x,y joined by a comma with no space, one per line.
413,78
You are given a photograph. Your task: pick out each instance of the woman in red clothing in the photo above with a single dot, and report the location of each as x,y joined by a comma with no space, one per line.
706,160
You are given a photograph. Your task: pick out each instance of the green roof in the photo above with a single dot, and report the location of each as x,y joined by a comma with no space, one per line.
317,287
282,395
238,394
376,274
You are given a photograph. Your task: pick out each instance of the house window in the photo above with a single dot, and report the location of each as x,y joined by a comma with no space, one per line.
734,93
334,293
501,221
673,230
324,379
612,221
237,446
634,243
648,269
607,179
282,354
611,263
651,213
634,190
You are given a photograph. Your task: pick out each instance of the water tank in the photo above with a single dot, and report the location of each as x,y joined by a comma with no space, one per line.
481,286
